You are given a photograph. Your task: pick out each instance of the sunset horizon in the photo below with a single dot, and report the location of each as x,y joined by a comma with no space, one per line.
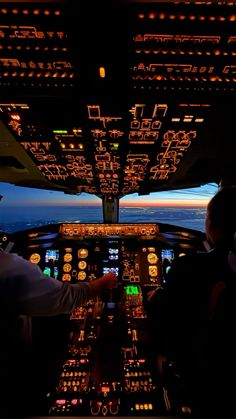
161,204
28,197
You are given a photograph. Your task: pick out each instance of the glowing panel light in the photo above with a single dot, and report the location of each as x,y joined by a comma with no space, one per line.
151,15
60,131
102,72
15,117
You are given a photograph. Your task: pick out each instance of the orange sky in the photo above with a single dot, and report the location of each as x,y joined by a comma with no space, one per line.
142,203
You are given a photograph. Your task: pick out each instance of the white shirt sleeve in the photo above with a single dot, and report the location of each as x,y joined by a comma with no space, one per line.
37,294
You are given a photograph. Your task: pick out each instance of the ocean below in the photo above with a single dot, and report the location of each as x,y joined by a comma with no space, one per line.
21,218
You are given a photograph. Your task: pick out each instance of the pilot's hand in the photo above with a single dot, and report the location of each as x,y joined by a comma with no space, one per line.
110,280
99,285
150,295
153,293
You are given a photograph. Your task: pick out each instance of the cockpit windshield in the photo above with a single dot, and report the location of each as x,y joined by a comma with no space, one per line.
26,208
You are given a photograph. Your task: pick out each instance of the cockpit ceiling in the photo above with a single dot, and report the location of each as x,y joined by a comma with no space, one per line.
113,98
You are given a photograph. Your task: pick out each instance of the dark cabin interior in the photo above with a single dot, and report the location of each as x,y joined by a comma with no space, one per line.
112,98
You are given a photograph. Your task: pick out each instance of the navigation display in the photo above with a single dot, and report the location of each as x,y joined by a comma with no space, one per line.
51,255
106,270
167,254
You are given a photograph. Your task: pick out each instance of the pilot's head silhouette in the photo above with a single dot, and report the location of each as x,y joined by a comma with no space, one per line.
221,219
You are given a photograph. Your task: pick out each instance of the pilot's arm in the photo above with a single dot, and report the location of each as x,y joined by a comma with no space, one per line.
36,294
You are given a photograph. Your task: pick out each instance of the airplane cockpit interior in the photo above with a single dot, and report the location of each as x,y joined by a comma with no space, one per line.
112,98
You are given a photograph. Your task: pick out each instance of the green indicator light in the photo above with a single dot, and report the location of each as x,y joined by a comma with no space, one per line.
47,271
131,290
60,131
116,145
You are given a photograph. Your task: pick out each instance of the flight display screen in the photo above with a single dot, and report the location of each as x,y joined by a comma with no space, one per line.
167,254
51,255
132,290
113,269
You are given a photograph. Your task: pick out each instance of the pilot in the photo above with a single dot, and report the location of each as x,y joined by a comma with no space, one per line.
24,292
195,316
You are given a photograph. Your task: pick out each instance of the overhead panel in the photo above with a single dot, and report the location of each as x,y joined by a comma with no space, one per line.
122,98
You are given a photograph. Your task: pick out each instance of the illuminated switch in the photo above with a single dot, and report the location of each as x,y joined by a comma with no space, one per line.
156,125
102,72
94,112
135,124
159,110
146,125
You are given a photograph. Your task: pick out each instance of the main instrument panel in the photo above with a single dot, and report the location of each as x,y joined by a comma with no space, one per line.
84,252
107,367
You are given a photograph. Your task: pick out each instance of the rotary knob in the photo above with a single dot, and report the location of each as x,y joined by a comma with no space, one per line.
94,408
114,407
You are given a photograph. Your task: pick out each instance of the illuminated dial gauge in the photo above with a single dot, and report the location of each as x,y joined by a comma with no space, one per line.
68,257
66,277
67,267
152,258
82,253
81,275
35,258
152,270
82,264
